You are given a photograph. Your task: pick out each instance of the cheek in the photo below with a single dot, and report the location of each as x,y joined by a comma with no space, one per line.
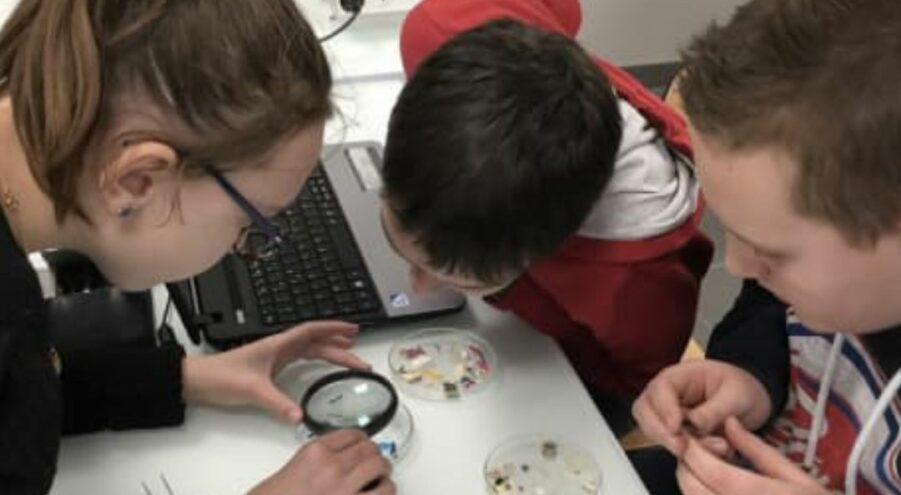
170,256
824,298
197,250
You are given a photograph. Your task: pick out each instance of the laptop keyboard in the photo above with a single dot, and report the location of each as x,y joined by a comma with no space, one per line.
325,276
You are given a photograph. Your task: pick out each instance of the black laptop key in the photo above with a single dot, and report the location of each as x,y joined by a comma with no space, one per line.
347,253
344,298
347,309
368,305
307,313
327,310
321,273
286,315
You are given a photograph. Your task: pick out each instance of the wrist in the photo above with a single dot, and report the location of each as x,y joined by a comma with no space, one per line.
191,378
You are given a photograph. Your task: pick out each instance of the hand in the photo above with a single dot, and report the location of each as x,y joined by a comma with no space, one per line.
244,376
339,463
701,395
703,473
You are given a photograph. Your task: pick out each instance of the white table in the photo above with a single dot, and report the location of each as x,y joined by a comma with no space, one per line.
227,452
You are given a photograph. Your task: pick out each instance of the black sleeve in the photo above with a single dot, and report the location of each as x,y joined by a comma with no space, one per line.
752,336
121,389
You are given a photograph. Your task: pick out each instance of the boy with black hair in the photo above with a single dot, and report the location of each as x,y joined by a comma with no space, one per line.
796,118
519,168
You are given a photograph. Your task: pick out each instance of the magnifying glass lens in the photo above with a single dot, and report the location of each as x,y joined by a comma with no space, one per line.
349,399
353,403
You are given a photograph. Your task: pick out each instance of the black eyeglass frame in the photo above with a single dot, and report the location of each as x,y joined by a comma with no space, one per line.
271,233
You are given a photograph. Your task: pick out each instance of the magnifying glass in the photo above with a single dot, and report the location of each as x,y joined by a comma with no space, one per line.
349,399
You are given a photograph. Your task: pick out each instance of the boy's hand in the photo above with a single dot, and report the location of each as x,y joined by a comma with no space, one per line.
340,463
700,395
703,473
243,376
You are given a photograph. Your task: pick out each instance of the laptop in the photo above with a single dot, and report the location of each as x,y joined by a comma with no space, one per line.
342,268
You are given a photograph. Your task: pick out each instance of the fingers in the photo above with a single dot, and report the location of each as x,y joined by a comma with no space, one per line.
659,409
361,461
710,415
373,468
316,330
651,423
342,439
358,453
720,476
340,341
717,446
273,400
303,340
689,484
765,458
340,357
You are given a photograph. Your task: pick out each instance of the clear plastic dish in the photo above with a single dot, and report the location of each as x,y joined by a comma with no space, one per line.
394,440
541,465
442,364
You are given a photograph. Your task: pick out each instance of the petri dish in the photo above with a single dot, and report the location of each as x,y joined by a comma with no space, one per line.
541,465
393,440
442,364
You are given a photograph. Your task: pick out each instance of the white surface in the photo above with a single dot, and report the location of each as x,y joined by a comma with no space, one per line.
369,47
633,32
625,31
221,453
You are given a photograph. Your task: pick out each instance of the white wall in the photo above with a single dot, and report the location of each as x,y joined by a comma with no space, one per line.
628,32
6,6
634,32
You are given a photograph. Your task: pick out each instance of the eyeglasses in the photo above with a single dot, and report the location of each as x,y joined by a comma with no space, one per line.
259,240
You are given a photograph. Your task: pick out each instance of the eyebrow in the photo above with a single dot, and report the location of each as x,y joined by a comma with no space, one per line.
397,252
757,247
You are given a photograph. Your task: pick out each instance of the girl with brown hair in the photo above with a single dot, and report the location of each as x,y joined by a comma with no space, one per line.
151,136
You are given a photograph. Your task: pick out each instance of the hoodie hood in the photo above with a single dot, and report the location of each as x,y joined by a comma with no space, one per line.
431,24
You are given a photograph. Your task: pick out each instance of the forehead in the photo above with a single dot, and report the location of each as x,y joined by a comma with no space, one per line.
749,190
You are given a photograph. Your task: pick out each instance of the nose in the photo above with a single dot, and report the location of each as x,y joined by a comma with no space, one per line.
742,261
421,281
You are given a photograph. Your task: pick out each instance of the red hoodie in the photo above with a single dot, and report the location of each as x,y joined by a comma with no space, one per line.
621,310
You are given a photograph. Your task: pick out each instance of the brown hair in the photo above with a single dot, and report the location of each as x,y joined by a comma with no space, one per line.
241,74
819,79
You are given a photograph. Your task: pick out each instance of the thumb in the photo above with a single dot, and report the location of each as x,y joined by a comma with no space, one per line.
709,416
766,459
279,405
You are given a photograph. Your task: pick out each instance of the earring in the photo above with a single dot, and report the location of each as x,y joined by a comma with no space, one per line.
126,211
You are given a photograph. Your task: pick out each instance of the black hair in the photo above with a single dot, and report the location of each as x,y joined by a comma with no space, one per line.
498,147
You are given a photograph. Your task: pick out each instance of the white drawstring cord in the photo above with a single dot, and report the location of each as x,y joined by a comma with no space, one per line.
885,398
822,398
